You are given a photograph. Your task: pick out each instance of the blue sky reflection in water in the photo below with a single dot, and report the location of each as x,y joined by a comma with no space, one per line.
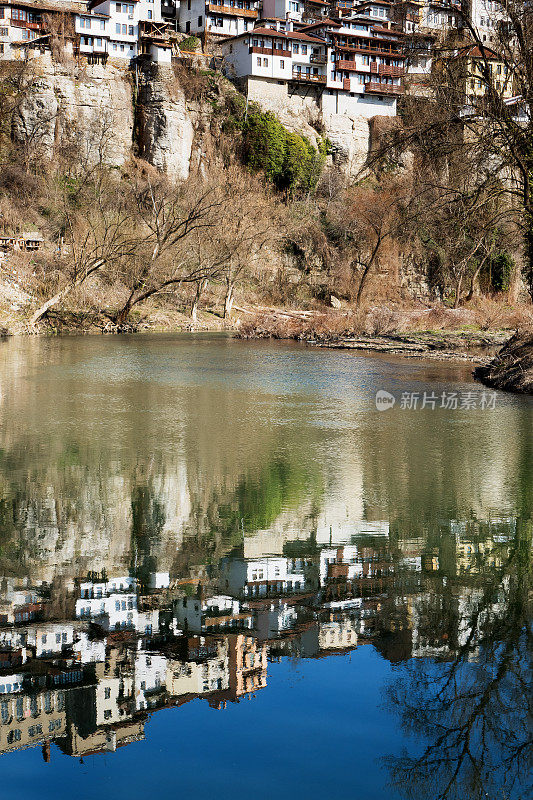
248,578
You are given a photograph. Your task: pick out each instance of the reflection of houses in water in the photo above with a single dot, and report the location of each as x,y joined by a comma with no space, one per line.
113,605
88,685
274,618
28,719
355,571
202,668
332,636
19,603
274,575
217,613
247,665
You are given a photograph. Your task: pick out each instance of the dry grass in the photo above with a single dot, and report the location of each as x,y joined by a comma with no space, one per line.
481,316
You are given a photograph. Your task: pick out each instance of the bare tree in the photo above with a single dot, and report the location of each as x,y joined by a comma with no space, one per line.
89,236
166,217
478,107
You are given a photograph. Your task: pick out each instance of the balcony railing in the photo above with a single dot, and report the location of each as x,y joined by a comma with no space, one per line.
307,77
237,12
346,85
347,66
318,58
391,72
366,49
267,51
382,88
20,23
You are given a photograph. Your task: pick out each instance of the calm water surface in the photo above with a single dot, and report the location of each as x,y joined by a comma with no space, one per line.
224,571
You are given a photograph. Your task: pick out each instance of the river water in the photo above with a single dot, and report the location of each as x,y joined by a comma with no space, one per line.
224,570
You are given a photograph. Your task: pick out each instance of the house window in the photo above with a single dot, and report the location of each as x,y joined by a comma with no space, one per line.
102,24
200,21
130,30
258,64
107,693
124,30
304,49
282,64
117,27
119,8
295,48
107,714
149,14
114,46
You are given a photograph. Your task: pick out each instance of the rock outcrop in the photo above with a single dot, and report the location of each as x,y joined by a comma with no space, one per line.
512,369
165,124
111,112
72,105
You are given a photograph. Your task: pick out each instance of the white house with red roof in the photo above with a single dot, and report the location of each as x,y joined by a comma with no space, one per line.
352,66
217,19
115,28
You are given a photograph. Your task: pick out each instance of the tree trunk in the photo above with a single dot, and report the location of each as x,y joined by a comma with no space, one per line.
458,292
475,276
228,300
366,271
529,255
200,286
121,316
53,301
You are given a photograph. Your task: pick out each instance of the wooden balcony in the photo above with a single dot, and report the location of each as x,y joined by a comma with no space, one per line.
267,51
382,88
390,72
347,66
318,58
31,26
307,78
249,13
384,50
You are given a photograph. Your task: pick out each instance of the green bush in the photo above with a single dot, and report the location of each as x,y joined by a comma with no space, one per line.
289,160
190,44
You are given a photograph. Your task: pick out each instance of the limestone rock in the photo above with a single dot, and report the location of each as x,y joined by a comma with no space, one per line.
166,131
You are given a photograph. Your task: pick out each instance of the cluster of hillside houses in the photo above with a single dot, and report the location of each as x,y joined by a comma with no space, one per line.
351,56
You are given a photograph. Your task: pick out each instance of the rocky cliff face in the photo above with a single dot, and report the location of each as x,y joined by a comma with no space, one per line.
68,105
111,113
165,122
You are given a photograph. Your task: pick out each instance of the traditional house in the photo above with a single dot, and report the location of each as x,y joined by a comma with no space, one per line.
218,19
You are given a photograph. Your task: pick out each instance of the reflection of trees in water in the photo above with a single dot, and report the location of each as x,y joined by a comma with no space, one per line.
475,709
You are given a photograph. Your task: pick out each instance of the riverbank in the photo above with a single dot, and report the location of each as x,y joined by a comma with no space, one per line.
512,368
477,348
474,335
